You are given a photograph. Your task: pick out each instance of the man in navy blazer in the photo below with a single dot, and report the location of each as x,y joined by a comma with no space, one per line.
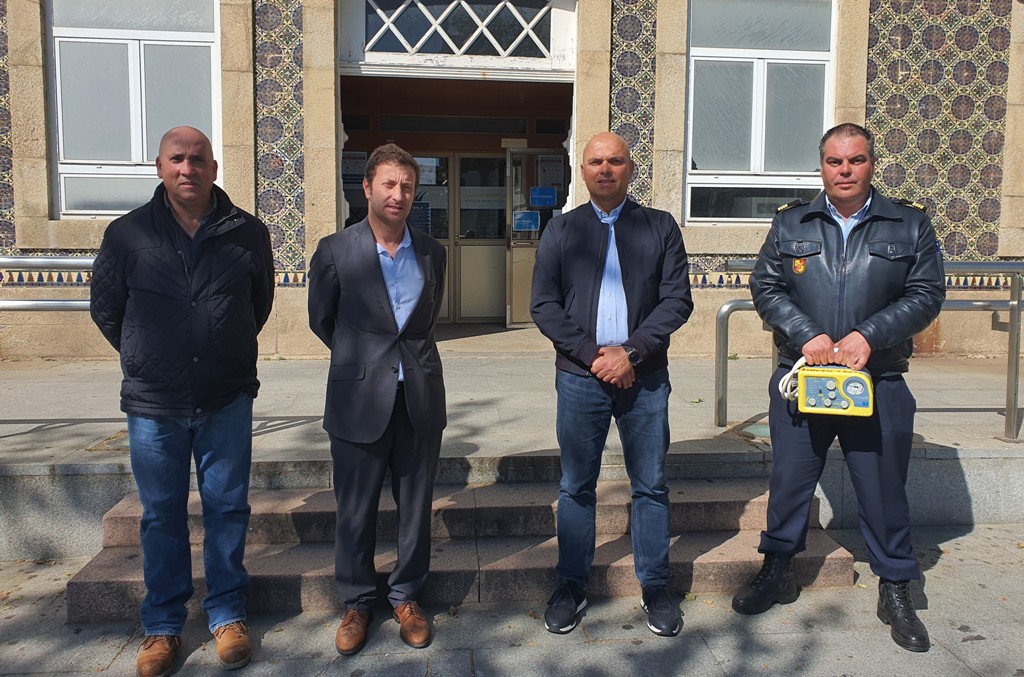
375,291
610,285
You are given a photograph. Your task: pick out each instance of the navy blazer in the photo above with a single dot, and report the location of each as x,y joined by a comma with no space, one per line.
349,309
567,281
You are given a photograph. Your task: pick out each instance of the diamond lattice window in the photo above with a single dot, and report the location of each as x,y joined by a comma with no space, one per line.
503,29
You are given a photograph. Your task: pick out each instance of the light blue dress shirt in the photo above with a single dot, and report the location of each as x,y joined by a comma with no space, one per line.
846,225
404,280
612,316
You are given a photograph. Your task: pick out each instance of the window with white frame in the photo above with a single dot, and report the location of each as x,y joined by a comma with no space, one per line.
449,35
124,72
761,75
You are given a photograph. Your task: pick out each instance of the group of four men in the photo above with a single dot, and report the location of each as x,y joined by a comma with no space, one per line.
182,286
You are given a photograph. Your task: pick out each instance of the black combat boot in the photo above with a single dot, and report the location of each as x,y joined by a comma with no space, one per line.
773,584
897,611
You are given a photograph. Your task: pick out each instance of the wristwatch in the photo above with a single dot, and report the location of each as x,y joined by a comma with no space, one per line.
633,354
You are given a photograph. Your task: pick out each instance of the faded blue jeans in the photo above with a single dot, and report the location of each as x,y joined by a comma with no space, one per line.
586,406
162,449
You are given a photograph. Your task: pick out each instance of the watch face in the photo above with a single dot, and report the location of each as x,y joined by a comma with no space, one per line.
634,356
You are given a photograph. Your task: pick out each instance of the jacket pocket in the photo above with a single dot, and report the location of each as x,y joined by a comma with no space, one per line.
798,249
347,372
891,249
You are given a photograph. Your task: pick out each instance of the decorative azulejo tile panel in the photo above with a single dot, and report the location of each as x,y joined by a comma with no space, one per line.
6,151
632,86
280,186
936,101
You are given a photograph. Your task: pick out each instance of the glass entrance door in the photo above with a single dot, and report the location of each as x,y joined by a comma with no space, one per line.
537,191
479,244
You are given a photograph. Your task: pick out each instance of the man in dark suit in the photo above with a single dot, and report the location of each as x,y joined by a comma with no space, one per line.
610,285
375,291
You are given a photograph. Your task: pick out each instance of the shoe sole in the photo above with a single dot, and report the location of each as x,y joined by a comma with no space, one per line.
909,646
575,621
662,633
237,664
752,611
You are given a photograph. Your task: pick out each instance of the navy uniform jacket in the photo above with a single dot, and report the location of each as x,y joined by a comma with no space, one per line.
886,283
349,309
567,283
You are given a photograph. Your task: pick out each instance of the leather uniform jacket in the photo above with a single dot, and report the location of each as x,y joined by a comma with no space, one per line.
887,283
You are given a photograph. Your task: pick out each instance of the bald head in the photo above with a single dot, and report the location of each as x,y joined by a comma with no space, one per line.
607,170
184,133
187,168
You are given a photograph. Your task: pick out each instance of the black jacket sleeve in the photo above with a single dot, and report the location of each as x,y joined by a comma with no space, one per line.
108,290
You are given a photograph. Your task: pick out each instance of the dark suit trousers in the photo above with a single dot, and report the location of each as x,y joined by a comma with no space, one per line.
359,471
877,452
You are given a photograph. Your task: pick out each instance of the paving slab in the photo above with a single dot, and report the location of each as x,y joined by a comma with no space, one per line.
827,631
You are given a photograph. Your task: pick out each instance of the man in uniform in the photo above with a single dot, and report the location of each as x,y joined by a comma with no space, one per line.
847,279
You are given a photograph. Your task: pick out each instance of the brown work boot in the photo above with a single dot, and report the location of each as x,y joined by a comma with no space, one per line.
233,650
156,655
351,635
416,631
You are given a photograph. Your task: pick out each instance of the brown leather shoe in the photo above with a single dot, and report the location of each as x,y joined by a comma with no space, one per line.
416,630
351,635
156,655
233,649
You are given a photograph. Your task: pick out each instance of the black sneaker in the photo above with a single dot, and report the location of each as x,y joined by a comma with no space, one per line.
663,617
565,608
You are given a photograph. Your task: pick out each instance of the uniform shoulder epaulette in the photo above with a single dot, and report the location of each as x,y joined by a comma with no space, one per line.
794,203
910,203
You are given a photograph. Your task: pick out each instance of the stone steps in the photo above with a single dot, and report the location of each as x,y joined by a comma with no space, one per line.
490,542
474,511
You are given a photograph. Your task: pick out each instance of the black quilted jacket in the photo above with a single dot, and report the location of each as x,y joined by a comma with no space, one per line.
186,335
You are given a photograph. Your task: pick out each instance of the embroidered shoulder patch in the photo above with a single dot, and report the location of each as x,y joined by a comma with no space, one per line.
910,203
794,203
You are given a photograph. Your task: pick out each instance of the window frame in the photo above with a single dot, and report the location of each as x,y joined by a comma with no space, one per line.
756,175
137,165
560,66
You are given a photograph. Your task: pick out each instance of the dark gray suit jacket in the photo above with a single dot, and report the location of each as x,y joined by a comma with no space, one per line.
350,311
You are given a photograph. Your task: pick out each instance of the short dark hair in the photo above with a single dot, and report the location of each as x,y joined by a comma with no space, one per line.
846,130
390,154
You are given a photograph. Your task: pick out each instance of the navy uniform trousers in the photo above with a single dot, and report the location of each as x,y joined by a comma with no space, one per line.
877,452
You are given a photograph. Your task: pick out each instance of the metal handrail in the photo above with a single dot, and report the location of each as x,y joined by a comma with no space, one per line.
45,263
1014,269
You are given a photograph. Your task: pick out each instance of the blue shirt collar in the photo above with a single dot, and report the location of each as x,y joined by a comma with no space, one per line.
611,217
406,242
857,216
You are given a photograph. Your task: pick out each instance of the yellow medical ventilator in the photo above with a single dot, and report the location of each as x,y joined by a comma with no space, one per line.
831,389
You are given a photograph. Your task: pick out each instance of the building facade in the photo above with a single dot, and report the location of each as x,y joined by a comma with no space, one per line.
722,102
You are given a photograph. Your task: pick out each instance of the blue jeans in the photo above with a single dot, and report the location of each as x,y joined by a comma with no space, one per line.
162,448
585,409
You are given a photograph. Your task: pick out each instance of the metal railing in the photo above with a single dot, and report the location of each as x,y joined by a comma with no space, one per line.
1013,269
70,263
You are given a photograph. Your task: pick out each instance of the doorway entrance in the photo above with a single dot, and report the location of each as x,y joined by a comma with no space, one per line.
458,131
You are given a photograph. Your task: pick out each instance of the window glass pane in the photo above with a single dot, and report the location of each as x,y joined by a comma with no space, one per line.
757,24
107,193
177,91
795,104
755,202
430,210
482,198
154,15
722,105
95,113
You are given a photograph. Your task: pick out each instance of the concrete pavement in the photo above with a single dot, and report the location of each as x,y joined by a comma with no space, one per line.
63,462
972,600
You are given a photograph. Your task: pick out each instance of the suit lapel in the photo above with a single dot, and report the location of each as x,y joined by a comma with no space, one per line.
374,275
